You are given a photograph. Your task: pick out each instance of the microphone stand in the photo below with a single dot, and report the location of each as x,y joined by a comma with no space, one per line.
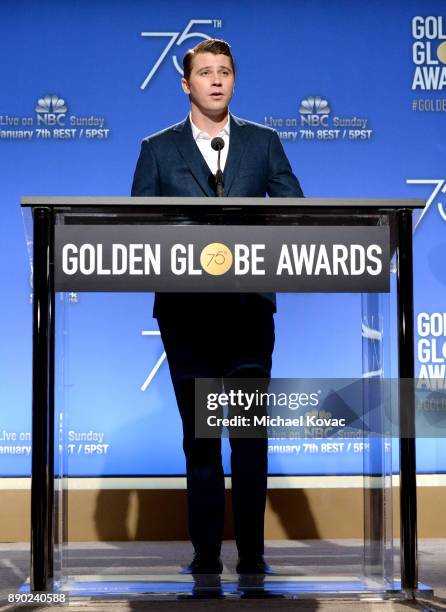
217,144
219,180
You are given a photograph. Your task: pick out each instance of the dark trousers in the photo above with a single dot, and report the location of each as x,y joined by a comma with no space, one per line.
225,337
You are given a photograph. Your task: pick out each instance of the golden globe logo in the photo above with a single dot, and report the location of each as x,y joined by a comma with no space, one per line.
216,258
428,51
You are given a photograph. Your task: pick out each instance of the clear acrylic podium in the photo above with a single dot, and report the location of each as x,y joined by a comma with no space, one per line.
374,568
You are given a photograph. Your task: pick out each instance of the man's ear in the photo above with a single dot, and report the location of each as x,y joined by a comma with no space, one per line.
185,86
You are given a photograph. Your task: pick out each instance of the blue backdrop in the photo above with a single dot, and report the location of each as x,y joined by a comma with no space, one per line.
357,92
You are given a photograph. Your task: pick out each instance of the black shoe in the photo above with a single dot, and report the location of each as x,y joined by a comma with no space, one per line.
257,565
204,565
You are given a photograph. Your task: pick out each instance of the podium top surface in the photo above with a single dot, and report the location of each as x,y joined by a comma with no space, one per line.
301,203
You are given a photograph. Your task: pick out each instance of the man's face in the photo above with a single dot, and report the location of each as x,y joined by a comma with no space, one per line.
211,83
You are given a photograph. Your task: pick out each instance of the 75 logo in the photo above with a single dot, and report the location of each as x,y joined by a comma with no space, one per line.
439,187
177,39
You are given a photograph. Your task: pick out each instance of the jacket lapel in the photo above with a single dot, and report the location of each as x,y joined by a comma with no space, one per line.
192,156
238,142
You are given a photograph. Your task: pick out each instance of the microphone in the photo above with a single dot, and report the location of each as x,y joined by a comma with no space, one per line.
218,144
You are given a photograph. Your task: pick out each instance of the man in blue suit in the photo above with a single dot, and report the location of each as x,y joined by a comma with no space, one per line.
217,335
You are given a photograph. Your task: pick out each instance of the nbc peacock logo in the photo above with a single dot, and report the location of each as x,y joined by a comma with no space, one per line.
51,110
314,111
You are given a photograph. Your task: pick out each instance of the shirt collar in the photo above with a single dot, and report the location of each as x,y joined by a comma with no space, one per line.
197,133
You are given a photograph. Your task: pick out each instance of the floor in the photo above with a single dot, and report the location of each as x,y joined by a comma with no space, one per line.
99,573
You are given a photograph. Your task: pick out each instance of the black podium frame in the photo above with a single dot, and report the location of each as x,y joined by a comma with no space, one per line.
45,209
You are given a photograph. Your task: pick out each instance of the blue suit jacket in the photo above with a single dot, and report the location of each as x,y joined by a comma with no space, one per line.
171,164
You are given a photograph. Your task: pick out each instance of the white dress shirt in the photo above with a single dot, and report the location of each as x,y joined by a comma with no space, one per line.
203,141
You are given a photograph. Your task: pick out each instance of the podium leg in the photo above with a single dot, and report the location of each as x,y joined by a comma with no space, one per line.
42,477
408,483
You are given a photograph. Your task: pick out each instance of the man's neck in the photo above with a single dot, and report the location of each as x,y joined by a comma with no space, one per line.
211,125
